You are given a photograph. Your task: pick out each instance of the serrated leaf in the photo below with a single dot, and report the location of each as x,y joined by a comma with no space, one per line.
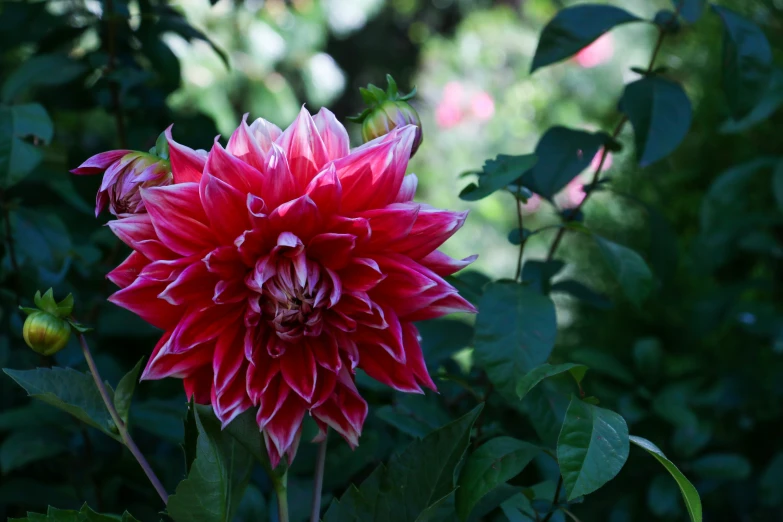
629,269
661,115
124,392
71,391
592,447
574,28
747,62
18,156
689,493
515,332
498,174
217,478
538,374
491,465
562,154
411,482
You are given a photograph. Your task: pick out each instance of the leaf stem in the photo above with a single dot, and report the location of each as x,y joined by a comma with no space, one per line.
318,480
555,499
281,490
121,427
522,239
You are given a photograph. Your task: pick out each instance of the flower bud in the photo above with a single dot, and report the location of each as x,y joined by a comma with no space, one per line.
46,333
125,172
387,110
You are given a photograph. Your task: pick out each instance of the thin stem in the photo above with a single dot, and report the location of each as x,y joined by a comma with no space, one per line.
315,513
555,499
121,427
570,515
281,490
522,239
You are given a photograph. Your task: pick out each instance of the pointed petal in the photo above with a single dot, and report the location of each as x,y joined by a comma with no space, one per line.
361,274
304,148
391,224
414,357
193,284
141,298
229,357
164,364
179,218
333,134
128,270
383,368
202,323
137,232
298,368
243,145
325,191
235,172
331,250
431,229
407,189
225,207
444,265
186,164
100,162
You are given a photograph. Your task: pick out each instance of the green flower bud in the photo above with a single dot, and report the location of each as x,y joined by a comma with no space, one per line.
387,110
45,333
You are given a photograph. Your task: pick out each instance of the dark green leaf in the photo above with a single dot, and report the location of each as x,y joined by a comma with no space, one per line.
18,155
442,338
770,102
562,154
30,445
42,69
601,362
777,184
546,405
770,492
667,21
747,62
415,415
690,10
538,274
573,28
648,356
43,243
585,294
411,482
689,493
592,448
495,462
629,269
538,374
515,332
660,113
663,497
71,391
498,174
722,466
217,479
124,392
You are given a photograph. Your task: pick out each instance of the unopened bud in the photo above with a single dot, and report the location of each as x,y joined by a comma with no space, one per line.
388,110
46,333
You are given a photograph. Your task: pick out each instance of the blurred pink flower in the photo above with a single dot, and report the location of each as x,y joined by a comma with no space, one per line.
452,92
532,205
482,105
597,159
597,52
572,195
447,114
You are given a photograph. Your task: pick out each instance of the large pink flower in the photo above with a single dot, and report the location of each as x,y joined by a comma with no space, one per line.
278,265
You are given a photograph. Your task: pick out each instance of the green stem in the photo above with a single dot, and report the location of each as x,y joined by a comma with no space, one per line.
121,427
555,499
281,490
320,464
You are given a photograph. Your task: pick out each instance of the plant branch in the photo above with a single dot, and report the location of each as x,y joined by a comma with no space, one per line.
604,152
555,499
121,427
315,513
9,237
522,239
281,490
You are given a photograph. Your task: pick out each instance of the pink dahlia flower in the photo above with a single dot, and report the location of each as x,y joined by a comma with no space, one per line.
278,265
598,52
125,172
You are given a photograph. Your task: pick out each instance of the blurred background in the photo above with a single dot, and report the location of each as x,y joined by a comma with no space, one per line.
698,369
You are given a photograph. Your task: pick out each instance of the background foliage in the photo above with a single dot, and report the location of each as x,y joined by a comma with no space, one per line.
690,353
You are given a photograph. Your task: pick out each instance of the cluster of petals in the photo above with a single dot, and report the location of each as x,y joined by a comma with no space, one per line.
125,173
280,264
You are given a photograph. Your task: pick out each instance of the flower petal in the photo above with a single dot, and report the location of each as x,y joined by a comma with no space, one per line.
333,134
141,298
100,162
298,368
186,164
128,270
331,250
179,218
304,148
225,207
444,265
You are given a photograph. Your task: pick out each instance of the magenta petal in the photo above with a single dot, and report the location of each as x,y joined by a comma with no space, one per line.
141,298
229,358
179,218
128,270
244,146
186,164
331,250
326,191
333,134
164,364
444,265
304,148
298,368
100,162
407,189
225,207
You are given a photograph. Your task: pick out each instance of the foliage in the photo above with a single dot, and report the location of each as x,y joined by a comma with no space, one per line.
521,430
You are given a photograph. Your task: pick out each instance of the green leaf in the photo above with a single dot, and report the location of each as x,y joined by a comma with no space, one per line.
562,154
71,391
411,482
769,103
498,174
583,293
660,113
601,362
85,514
722,466
491,465
629,269
169,19
648,356
30,445
747,62
416,415
42,242
18,157
574,28
38,70
515,332
217,478
592,448
777,184
538,374
442,338
770,492
546,405
689,493
518,509
124,392
690,10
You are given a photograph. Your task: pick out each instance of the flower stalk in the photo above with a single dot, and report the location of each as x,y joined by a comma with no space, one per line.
121,427
318,480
